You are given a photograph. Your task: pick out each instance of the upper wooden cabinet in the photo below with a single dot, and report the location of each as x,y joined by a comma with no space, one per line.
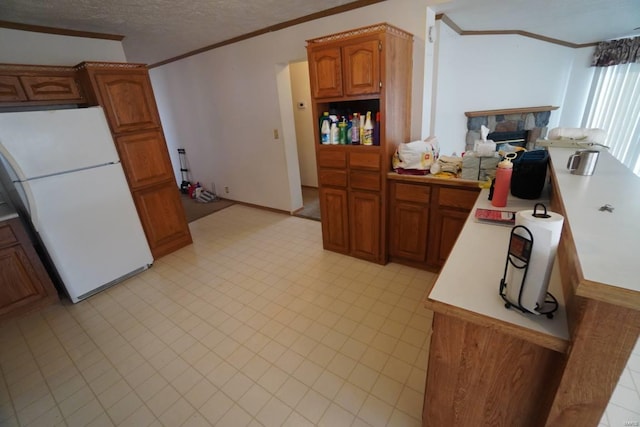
365,69
350,69
125,94
11,90
362,67
144,158
39,85
325,71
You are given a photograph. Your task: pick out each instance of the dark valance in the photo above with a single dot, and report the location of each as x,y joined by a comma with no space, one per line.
617,52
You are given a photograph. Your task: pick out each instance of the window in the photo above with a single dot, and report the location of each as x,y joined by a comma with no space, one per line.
614,105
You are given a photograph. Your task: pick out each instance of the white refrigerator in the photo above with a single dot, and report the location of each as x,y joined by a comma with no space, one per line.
65,169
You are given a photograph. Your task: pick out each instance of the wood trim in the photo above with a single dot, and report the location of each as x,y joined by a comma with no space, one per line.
444,18
506,111
322,14
538,338
59,31
432,180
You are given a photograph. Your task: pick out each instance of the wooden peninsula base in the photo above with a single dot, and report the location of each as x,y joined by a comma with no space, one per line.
490,366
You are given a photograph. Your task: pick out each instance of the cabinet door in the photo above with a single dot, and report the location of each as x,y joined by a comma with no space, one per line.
409,228
20,286
325,72
51,88
127,99
335,219
162,216
364,222
11,89
144,158
362,68
446,226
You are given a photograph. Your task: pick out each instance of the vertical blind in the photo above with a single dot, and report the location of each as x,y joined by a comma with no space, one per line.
614,105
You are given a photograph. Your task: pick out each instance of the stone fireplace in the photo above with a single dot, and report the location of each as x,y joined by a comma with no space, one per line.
532,120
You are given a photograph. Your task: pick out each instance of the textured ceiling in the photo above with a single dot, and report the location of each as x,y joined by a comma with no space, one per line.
156,30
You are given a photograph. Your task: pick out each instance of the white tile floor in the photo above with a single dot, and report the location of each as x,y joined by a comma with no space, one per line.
254,324
624,407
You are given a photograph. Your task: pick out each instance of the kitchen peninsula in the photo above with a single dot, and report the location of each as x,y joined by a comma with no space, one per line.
492,366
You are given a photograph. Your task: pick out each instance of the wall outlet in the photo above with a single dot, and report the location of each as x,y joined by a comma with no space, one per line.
226,190
276,135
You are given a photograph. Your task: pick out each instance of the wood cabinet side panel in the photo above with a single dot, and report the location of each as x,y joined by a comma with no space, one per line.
478,376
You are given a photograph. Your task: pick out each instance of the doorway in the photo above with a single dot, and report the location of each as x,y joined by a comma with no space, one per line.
303,121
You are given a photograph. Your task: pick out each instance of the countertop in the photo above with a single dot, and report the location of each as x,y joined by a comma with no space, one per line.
430,179
607,243
7,212
469,282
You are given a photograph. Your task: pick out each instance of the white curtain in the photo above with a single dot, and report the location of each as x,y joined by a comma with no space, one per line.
614,105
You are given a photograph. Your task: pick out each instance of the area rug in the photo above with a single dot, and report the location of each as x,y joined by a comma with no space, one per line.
195,210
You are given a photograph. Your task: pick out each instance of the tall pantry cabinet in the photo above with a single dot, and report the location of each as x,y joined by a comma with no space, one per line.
124,91
365,69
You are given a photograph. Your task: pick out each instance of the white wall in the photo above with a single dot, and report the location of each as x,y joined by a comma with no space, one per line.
222,105
303,117
24,47
488,72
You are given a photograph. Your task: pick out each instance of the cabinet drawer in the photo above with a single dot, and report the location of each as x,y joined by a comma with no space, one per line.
336,178
412,192
7,237
332,159
457,198
364,180
364,161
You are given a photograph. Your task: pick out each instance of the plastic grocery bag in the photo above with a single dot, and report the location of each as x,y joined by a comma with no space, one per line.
416,157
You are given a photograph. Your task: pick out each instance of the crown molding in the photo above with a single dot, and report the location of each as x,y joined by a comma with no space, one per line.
444,18
59,31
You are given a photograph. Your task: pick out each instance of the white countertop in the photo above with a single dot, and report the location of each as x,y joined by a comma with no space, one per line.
6,212
607,243
470,279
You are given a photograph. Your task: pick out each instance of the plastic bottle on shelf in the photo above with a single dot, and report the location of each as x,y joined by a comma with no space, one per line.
334,133
367,138
355,129
342,132
503,182
325,129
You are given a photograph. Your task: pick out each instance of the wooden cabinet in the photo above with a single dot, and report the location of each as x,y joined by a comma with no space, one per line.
39,85
366,69
24,283
409,221
425,220
125,93
335,218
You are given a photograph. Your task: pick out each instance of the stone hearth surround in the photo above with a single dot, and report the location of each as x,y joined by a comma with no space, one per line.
532,119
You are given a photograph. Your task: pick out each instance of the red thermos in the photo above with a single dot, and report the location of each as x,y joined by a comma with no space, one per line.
503,183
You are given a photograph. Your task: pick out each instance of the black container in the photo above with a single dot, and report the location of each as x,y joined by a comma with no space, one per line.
529,174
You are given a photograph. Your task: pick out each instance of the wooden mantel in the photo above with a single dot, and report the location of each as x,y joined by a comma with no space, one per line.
506,111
